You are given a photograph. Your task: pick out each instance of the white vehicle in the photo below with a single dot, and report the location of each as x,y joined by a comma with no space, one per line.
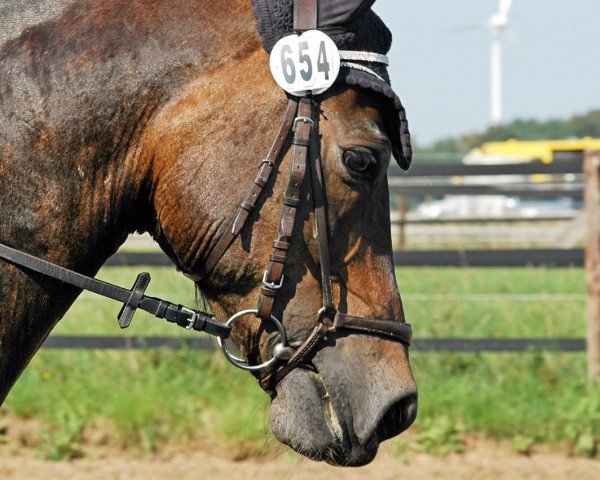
492,206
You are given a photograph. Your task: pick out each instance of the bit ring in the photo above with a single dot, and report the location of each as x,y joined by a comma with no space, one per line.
241,362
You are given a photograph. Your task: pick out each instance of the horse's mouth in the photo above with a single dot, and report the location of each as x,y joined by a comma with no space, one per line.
341,451
324,417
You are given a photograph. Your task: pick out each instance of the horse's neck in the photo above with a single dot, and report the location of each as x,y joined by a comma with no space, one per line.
76,95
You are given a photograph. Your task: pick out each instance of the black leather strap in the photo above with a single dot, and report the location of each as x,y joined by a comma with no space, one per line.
137,293
320,218
132,299
399,331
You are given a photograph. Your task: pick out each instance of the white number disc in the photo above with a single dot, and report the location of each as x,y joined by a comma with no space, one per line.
307,62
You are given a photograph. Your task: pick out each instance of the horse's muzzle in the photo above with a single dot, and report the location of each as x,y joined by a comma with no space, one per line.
360,393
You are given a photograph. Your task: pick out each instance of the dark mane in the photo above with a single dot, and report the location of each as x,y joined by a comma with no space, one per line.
17,15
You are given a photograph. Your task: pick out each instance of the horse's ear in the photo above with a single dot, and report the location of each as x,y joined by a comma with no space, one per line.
335,13
400,137
401,158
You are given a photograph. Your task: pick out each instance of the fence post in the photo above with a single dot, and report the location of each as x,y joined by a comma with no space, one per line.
592,260
401,209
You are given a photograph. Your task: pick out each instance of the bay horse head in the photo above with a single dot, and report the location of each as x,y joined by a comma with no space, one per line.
152,117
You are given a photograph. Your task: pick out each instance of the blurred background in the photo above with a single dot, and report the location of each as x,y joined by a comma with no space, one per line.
494,84
440,62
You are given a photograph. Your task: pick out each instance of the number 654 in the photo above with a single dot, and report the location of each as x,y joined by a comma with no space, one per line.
289,67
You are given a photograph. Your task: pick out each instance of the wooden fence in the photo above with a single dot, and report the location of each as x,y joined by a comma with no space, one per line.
592,260
561,178
527,181
436,180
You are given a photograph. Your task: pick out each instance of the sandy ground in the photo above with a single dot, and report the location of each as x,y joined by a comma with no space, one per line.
483,460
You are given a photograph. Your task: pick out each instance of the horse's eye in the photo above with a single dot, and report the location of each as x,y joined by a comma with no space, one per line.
361,162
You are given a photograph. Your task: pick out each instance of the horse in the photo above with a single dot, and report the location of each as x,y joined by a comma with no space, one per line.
149,116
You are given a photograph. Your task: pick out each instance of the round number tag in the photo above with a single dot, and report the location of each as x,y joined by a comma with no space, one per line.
307,62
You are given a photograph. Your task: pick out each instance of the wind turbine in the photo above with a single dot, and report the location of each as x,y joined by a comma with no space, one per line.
497,25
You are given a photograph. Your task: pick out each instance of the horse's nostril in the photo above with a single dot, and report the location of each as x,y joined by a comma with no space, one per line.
398,417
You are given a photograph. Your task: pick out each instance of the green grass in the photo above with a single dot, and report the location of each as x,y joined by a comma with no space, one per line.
530,397
149,399
469,302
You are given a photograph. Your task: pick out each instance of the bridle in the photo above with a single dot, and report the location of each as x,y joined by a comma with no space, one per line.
302,120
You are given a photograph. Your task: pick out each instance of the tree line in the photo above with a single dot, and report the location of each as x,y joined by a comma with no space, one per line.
578,126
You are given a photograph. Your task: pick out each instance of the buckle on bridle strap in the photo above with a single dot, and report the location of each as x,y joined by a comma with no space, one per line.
272,285
303,119
192,319
268,162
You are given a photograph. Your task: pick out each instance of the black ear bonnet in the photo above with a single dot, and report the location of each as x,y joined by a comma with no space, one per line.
352,25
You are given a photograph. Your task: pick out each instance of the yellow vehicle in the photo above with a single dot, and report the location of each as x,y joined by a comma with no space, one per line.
519,151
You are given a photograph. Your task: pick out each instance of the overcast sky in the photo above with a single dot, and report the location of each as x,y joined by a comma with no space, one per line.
551,68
